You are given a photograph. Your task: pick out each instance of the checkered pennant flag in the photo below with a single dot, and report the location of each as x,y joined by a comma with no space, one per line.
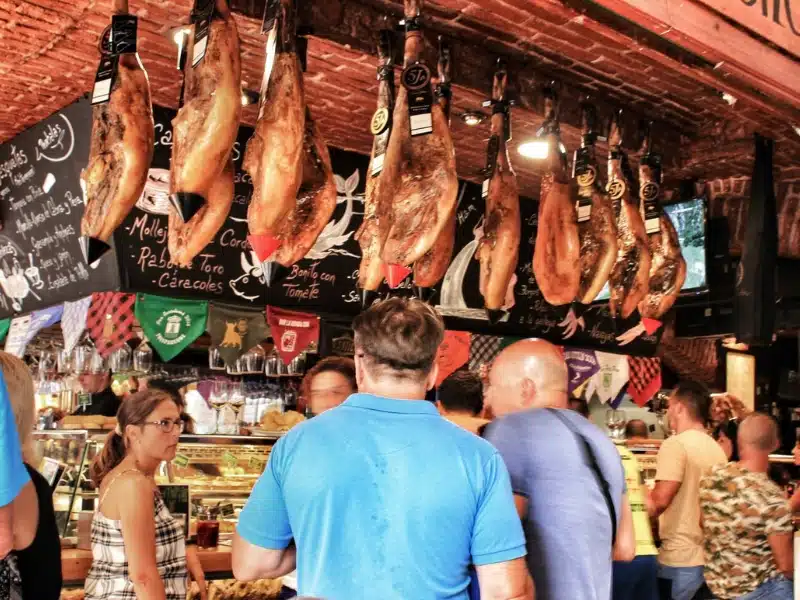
73,321
645,378
482,350
110,320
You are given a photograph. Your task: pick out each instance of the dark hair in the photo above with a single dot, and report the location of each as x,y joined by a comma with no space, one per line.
462,392
636,428
731,430
134,410
695,397
332,364
400,334
580,406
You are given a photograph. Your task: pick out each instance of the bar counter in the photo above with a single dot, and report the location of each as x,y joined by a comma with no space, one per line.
75,564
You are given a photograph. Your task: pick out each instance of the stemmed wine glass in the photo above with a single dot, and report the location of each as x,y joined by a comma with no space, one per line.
616,421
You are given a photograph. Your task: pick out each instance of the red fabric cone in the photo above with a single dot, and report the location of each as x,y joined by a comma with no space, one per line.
263,245
395,274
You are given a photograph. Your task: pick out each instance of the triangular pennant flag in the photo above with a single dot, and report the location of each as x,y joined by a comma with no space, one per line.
453,354
482,350
292,331
581,366
234,331
645,378
18,335
73,321
170,325
41,319
4,325
110,320
610,379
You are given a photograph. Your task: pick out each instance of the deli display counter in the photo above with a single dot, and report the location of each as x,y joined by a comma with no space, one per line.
218,471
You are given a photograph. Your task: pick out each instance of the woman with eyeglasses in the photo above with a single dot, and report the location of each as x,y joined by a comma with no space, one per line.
138,548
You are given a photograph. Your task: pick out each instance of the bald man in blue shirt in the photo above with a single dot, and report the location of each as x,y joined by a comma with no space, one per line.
381,497
13,475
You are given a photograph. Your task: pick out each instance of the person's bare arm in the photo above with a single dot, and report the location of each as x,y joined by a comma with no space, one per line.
6,529
195,568
625,546
521,502
251,562
662,496
794,501
782,552
508,580
134,497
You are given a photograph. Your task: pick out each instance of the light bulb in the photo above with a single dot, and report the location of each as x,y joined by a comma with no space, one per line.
536,149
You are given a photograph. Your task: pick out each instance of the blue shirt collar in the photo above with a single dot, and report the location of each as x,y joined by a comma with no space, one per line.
391,405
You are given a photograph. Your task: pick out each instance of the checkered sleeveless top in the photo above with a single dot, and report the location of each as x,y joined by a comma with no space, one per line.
108,579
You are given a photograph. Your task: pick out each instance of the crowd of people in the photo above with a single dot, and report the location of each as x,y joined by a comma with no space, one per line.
384,494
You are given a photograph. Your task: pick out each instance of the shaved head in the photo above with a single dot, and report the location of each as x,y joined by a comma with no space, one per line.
760,433
528,374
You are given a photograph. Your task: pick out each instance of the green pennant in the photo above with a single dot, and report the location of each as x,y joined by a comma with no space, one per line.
170,325
5,324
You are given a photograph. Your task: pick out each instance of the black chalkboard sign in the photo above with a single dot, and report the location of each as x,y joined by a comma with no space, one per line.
325,281
41,205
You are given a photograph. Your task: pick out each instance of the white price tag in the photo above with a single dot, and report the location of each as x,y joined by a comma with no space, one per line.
421,124
377,164
652,225
199,50
584,212
485,188
101,91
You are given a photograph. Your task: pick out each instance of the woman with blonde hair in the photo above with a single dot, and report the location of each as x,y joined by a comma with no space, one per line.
36,546
138,548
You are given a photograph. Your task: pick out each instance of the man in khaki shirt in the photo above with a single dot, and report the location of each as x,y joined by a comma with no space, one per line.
682,460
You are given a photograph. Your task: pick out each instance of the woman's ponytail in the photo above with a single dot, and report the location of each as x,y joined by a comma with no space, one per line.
110,456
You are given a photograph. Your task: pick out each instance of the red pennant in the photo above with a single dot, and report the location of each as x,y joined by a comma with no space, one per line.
452,354
110,320
395,274
292,331
651,325
264,245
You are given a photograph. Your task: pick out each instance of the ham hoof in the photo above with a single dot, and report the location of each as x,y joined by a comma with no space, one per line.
93,249
187,204
495,316
368,298
424,293
274,272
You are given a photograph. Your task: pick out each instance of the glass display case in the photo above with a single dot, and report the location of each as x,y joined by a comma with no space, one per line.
219,470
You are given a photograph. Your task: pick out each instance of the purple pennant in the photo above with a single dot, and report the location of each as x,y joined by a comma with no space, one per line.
581,365
41,319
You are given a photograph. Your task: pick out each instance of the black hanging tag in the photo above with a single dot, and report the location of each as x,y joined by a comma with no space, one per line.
104,79
201,17
302,52
492,151
270,14
649,192
416,79
380,126
123,34
585,173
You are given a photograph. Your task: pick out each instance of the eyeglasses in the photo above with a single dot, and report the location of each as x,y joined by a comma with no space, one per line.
168,425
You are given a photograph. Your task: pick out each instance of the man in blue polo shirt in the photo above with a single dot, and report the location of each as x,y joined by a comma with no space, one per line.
13,475
381,497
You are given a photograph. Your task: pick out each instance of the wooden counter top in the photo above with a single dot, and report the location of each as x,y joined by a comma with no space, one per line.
75,564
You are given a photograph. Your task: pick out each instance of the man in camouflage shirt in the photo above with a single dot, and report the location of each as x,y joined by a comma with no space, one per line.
747,522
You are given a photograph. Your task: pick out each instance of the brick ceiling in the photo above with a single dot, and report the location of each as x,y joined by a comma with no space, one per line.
48,57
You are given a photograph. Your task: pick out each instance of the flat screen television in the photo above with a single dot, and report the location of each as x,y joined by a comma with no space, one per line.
689,219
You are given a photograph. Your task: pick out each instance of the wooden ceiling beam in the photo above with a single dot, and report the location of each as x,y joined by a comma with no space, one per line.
740,58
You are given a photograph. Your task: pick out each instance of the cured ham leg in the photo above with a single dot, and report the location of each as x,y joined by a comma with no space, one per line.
498,248
419,180
120,153
187,240
597,227
556,256
316,201
274,155
206,126
631,272
668,267
372,233
429,270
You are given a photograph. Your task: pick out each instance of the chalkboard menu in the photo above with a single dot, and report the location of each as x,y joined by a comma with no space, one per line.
41,205
325,281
